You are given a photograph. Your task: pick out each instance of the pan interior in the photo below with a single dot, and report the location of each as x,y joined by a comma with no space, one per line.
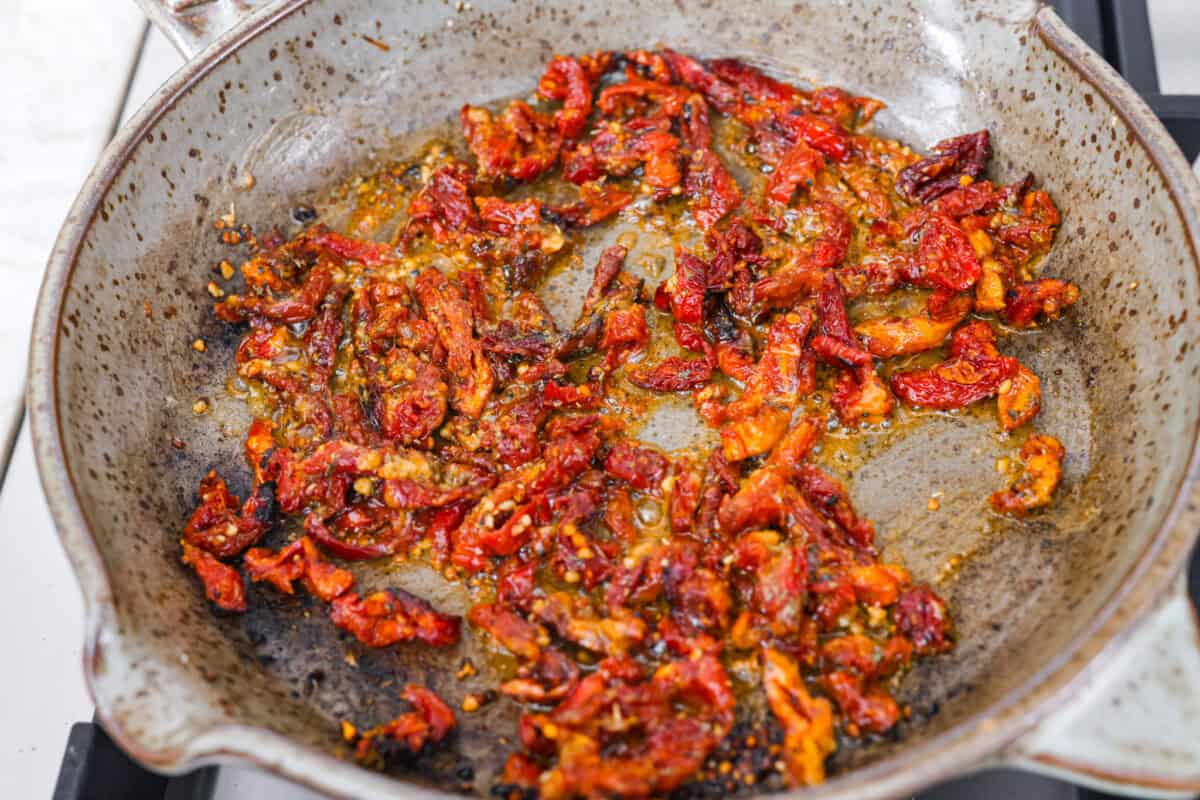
311,101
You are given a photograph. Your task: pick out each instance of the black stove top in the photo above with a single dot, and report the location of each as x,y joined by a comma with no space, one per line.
94,768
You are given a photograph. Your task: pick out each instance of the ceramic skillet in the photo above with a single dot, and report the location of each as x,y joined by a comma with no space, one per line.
1077,648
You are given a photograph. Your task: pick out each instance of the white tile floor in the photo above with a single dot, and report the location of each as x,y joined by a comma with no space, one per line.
68,64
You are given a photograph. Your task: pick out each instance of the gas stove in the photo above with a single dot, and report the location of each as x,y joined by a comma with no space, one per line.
93,768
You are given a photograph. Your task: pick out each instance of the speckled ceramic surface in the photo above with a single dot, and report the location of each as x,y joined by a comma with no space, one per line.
298,98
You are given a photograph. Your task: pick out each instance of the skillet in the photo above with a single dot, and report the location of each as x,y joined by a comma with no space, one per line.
1077,649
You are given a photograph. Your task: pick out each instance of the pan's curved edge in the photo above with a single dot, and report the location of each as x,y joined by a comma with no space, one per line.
940,757
1164,555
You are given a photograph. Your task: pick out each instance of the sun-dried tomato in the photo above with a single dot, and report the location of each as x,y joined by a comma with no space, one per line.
573,618
760,88
896,336
486,532
768,497
567,80
301,560
635,93
515,583
779,590
520,144
348,248
922,616
979,197
692,73
865,657
754,431
685,495
222,584
450,314
834,351
429,721
974,372
689,284
218,526
390,616
652,63
517,635
606,271
1042,459
1020,400
551,677
620,148
807,721
672,748
360,533
807,269
672,375
944,258
821,133
640,467
412,396
713,191
831,499
597,202
299,306
953,160
444,206
849,110
1046,297
799,167
733,247
867,709
625,332
504,218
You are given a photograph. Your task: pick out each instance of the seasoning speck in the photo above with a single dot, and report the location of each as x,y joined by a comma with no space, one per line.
199,346
214,290
199,407
226,270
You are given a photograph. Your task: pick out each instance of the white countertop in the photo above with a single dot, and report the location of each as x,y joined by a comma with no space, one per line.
74,70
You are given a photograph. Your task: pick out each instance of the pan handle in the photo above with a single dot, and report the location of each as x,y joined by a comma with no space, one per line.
1134,728
192,25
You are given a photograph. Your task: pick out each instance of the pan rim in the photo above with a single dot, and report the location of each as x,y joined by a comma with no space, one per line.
971,741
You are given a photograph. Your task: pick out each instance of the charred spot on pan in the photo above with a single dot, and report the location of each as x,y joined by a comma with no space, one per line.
304,214
512,791
313,681
267,509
